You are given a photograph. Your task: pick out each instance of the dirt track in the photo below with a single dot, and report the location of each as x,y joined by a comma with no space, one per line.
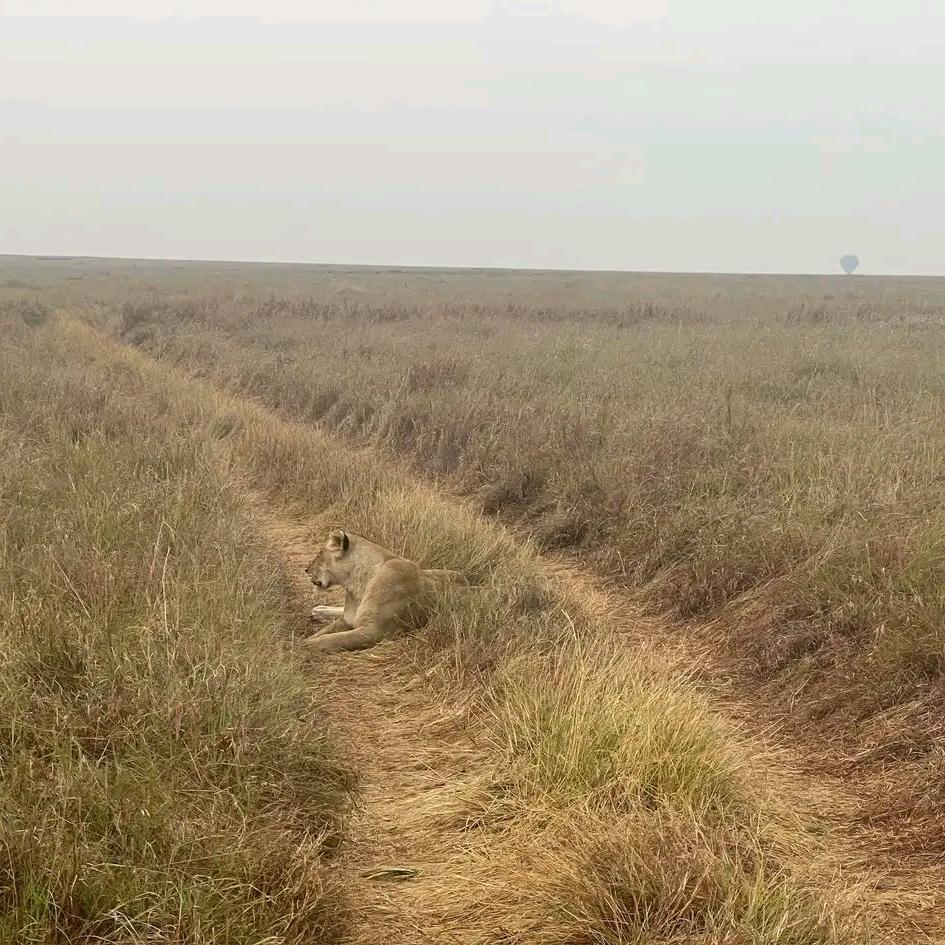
417,873
415,866
418,765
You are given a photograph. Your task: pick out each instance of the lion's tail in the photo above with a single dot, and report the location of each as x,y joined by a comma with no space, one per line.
440,577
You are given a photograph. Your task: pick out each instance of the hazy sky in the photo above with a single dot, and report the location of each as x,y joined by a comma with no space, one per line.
732,135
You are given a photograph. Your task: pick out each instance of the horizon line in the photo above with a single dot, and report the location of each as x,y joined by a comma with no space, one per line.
62,257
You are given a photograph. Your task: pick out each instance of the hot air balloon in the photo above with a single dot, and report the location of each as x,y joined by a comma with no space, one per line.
849,263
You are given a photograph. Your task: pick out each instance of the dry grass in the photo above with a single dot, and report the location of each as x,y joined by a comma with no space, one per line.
163,776
785,466
626,810
586,736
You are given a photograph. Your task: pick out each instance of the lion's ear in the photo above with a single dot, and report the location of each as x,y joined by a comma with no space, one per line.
338,541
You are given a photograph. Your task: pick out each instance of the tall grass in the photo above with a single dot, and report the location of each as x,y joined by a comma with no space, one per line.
163,772
618,806
791,460
587,738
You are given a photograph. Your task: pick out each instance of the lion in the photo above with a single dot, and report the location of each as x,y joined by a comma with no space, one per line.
383,592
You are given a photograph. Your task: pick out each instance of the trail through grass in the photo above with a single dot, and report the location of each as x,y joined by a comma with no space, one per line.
682,833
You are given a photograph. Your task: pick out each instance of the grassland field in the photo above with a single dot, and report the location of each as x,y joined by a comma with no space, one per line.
751,464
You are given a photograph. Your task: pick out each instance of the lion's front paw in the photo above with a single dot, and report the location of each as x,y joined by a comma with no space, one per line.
321,612
316,643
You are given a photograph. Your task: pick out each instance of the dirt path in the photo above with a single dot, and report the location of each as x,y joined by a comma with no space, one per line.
909,892
415,871
902,848
409,841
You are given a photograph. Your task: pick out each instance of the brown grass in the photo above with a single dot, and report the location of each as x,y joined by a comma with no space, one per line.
163,772
615,804
582,735
784,465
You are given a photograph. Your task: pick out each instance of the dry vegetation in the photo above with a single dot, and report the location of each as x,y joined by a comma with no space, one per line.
777,476
782,471
164,776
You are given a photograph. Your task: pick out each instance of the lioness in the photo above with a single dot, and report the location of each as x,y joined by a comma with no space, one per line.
382,591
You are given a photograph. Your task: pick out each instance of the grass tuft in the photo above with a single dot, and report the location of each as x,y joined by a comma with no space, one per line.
163,775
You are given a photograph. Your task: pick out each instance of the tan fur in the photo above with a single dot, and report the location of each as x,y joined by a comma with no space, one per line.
383,592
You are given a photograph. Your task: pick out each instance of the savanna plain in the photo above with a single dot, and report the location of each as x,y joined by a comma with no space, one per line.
696,694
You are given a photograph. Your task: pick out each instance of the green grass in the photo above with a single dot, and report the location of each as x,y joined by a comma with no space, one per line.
599,730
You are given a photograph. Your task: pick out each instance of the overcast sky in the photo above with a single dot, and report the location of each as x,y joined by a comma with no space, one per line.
732,135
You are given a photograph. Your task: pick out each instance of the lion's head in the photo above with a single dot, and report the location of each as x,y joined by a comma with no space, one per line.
323,568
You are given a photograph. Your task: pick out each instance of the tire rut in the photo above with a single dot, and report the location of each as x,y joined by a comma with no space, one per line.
411,865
